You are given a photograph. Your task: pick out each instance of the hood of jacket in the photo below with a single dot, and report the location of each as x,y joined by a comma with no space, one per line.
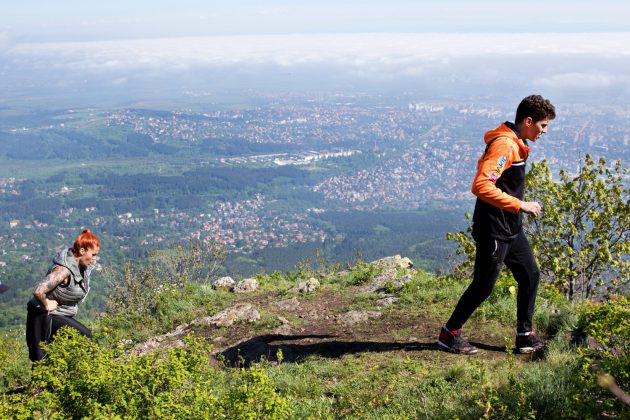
508,130
67,259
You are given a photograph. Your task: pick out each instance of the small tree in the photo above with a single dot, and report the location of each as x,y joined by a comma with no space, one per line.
465,253
581,238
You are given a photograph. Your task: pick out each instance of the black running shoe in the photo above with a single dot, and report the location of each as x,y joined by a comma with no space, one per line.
455,342
526,343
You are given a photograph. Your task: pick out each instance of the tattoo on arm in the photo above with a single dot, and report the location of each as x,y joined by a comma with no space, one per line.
57,276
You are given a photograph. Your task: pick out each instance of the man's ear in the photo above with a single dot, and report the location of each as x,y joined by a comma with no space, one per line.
528,121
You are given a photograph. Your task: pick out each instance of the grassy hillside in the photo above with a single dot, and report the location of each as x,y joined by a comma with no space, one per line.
343,350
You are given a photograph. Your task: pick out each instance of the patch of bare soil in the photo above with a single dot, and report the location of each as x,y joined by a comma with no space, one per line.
317,327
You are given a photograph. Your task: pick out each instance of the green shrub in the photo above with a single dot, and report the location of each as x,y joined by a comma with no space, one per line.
608,324
390,287
15,369
361,273
252,395
137,288
81,379
153,306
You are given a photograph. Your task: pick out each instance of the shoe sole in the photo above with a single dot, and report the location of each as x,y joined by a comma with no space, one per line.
452,350
528,350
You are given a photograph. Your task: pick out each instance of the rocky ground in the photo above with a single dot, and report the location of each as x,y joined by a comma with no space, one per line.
309,320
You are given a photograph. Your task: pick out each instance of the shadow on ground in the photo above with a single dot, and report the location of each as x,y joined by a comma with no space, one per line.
266,347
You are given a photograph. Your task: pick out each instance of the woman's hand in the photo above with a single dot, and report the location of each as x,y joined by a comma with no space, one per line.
50,305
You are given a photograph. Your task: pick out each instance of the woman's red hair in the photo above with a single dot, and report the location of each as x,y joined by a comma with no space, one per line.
85,240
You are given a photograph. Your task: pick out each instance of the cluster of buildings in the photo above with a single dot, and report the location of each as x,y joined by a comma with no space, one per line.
239,226
418,176
290,125
10,185
160,127
413,154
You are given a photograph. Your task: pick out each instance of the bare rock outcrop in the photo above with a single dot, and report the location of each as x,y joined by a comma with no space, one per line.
246,286
285,328
307,286
395,261
236,314
288,304
226,282
243,312
387,301
385,281
354,317
162,342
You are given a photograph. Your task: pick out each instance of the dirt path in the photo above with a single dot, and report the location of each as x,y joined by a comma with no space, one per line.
316,329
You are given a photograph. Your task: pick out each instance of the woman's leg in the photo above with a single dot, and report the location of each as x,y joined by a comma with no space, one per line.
37,330
59,321
42,327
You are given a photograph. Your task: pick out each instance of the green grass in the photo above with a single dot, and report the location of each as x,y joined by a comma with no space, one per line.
381,386
377,384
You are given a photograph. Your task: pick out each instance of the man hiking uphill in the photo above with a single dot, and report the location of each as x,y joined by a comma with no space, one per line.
497,226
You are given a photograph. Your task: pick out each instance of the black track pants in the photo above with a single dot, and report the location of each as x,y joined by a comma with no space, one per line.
491,254
42,327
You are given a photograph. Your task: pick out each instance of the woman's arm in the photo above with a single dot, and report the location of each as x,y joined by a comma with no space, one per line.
57,276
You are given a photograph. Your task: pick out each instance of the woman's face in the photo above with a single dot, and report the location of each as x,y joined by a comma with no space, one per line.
87,256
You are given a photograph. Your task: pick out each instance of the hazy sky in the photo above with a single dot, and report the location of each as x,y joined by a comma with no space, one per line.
85,20
452,47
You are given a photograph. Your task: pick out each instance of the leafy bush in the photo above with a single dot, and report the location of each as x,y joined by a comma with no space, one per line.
81,379
362,273
275,280
253,395
582,237
608,325
356,275
15,364
193,262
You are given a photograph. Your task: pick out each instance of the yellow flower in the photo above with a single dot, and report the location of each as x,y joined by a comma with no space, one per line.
512,290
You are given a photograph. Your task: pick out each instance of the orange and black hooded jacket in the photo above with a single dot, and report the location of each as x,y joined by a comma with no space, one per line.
499,184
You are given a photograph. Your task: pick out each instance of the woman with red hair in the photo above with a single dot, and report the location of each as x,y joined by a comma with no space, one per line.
56,298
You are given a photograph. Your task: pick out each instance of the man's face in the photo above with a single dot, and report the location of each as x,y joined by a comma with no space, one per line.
532,130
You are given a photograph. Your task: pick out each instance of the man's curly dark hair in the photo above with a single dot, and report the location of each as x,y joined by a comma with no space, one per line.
535,106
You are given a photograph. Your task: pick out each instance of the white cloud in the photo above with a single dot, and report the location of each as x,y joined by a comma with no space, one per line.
581,80
6,41
440,64
358,52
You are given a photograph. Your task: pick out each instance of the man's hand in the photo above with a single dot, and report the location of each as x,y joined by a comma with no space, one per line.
531,207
